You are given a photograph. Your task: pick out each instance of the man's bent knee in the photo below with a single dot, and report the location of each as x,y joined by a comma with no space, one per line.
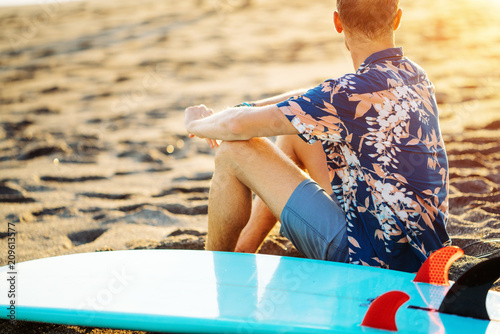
240,151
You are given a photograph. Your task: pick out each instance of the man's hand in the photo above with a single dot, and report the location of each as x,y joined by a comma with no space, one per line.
237,123
195,113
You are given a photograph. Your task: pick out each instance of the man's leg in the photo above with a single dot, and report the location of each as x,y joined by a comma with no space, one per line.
259,225
240,168
310,158
307,157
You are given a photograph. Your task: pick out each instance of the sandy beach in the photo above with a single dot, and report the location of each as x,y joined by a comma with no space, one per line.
94,155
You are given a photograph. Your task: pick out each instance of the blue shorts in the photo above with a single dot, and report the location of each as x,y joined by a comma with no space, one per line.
315,224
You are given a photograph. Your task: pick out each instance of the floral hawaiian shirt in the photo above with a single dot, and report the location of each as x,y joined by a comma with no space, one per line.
380,131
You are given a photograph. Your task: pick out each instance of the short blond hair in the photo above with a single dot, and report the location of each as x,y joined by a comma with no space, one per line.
372,18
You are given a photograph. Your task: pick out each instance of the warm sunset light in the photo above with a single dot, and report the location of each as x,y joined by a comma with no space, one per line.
146,125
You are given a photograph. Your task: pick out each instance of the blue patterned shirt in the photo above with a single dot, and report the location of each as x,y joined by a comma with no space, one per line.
388,167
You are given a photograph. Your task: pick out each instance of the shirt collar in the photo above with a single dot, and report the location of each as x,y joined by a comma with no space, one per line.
378,56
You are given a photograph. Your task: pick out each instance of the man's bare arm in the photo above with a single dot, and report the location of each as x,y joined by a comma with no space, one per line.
279,98
237,123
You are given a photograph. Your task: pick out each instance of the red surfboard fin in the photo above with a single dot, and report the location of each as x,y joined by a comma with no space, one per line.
467,297
435,268
382,312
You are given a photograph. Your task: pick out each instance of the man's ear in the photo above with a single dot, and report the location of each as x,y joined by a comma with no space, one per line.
397,20
336,22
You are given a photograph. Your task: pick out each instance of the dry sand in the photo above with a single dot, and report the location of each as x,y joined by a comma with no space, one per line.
93,152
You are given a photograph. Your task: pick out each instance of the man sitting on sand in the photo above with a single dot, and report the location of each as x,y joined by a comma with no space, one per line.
376,192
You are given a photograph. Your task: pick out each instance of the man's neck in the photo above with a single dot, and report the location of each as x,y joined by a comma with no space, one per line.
362,49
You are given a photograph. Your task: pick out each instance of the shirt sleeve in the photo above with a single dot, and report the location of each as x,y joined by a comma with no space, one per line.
314,114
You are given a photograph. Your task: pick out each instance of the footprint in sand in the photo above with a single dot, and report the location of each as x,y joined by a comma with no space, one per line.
175,208
85,237
182,190
58,211
13,194
477,185
40,150
204,176
72,179
147,215
105,196
183,210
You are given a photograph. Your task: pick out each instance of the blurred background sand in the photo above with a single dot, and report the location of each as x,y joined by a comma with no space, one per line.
93,150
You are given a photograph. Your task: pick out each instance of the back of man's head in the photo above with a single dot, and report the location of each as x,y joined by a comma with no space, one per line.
371,18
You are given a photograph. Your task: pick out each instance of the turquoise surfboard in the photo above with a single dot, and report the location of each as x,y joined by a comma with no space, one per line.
185,291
